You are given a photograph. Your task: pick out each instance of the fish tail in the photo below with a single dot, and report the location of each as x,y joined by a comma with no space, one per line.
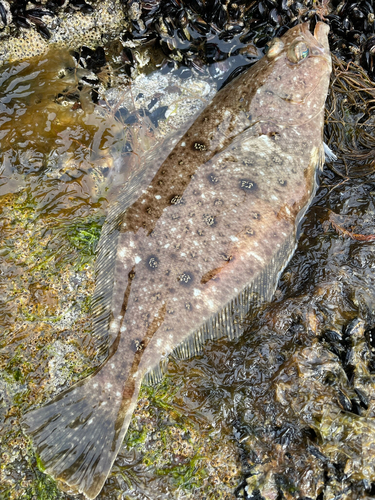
78,434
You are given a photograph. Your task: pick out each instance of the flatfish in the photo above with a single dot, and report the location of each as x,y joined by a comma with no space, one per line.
195,241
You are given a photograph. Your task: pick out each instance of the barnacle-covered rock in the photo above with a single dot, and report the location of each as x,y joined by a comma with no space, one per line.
72,30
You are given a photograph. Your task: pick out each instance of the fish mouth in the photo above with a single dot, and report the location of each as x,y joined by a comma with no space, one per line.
319,40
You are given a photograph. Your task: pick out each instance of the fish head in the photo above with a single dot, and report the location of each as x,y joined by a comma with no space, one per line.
298,72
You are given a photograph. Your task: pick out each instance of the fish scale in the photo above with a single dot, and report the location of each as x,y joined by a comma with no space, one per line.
193,246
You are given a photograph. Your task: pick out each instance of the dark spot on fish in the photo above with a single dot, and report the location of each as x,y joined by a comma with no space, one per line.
175,216
248,163
213,178
185,278
199,146
247,184
209,219
131,275
275,136
145,318
218,202
226,257
249,231
181,162
191,214
170,311
282,182
138,345
152,262
177,200
278,160
188,306
160,183
256,215
200,232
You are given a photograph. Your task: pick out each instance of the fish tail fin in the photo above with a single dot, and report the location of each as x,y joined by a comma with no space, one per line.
78,434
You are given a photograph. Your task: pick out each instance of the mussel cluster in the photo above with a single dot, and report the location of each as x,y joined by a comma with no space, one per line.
352,35
92,61
195,33
199,32
25,14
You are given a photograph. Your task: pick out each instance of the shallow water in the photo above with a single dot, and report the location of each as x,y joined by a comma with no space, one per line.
285,410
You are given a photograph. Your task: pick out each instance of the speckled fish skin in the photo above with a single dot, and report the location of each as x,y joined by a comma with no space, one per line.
196,239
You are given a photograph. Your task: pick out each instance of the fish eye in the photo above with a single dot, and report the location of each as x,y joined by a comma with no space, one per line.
298,51
274,47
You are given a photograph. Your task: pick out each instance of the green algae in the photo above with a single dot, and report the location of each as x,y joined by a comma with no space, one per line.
84,235
171,446
17,367
43,488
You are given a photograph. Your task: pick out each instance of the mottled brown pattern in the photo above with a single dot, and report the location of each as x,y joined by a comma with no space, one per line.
204,231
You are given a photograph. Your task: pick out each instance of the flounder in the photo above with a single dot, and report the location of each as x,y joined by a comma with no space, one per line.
195,241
